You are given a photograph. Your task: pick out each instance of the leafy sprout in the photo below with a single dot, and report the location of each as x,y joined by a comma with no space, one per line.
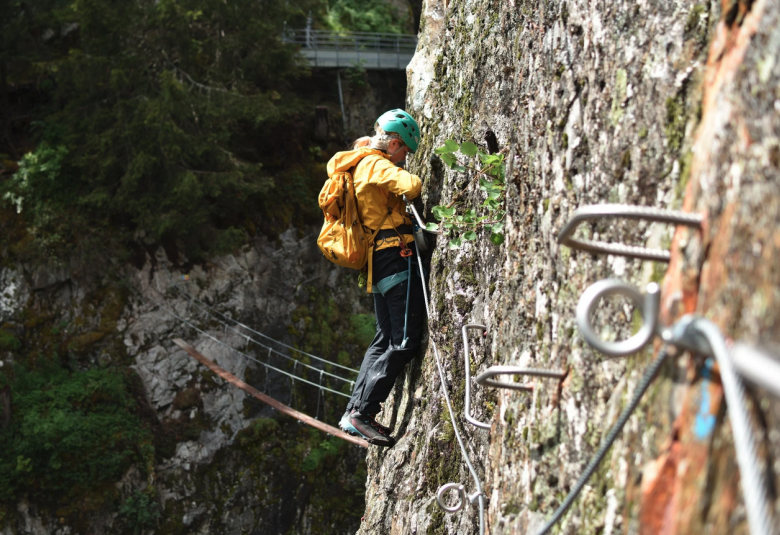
490,168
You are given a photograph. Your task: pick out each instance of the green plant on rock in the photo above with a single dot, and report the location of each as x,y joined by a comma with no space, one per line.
141,510
490,169
70,431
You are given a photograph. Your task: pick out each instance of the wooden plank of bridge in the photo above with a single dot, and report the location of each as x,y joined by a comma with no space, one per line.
281,407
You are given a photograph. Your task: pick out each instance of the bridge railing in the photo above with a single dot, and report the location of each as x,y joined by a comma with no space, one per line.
357,41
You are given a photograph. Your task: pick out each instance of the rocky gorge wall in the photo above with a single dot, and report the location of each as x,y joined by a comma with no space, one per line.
663,104
221,461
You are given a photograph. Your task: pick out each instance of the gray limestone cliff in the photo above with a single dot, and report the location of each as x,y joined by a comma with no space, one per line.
663,104
222,462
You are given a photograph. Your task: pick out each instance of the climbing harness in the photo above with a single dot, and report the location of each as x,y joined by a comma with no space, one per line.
478,496
641,213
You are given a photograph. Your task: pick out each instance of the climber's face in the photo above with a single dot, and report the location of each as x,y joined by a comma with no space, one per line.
397,150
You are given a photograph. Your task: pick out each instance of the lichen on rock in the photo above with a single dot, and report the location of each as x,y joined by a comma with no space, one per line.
592,103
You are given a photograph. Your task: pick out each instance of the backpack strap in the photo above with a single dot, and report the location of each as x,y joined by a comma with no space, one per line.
371,249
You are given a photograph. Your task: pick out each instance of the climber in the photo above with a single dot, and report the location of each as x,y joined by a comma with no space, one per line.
380,183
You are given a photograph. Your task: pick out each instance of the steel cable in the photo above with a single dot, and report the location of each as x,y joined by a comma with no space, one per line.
267,366
449,408
642,387
271,350
192,299
753,485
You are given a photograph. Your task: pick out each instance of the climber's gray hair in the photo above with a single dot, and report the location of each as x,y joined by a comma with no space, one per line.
380,140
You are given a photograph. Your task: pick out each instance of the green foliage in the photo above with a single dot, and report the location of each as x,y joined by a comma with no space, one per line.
356,75
362,328
464,226
365,16
326,449
167,116
9,342
141,510
70,432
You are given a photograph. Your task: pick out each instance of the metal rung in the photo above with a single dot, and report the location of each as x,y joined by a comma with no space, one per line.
484,378
467,365
625,211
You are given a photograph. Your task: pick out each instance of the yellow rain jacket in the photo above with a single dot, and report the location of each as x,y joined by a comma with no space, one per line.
379,185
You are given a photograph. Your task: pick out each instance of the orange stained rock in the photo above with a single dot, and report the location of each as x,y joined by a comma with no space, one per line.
674,487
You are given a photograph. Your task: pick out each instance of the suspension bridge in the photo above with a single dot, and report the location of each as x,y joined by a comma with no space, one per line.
367,50
326,377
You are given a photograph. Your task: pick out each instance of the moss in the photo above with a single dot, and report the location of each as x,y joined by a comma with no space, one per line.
675,123
619,95
80,344
186,399
625,164
565,141
559,71
642,132
685,173
436,525
462,303
694,16
467,275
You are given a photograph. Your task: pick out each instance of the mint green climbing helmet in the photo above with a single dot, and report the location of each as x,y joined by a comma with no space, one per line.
403,124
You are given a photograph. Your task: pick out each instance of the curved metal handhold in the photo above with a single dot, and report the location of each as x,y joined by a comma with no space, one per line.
467,365
648,306
642,213
462,495
420,222
484,378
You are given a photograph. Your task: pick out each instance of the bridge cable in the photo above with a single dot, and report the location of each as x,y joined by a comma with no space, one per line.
177,286
246,356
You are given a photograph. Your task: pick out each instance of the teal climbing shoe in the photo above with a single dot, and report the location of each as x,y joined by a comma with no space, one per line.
346,425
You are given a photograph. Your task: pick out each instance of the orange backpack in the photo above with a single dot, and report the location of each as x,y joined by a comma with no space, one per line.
342,239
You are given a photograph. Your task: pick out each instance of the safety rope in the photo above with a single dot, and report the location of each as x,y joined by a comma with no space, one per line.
449,408
754,486
644,384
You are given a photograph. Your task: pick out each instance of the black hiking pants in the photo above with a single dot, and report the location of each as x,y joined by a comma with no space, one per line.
385,358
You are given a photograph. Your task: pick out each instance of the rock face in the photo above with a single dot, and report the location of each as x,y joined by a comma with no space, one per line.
663,104
225,463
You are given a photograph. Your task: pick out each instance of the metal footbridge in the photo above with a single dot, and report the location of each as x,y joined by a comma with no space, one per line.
367,50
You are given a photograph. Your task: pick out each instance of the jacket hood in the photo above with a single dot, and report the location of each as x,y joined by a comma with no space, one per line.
344,161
